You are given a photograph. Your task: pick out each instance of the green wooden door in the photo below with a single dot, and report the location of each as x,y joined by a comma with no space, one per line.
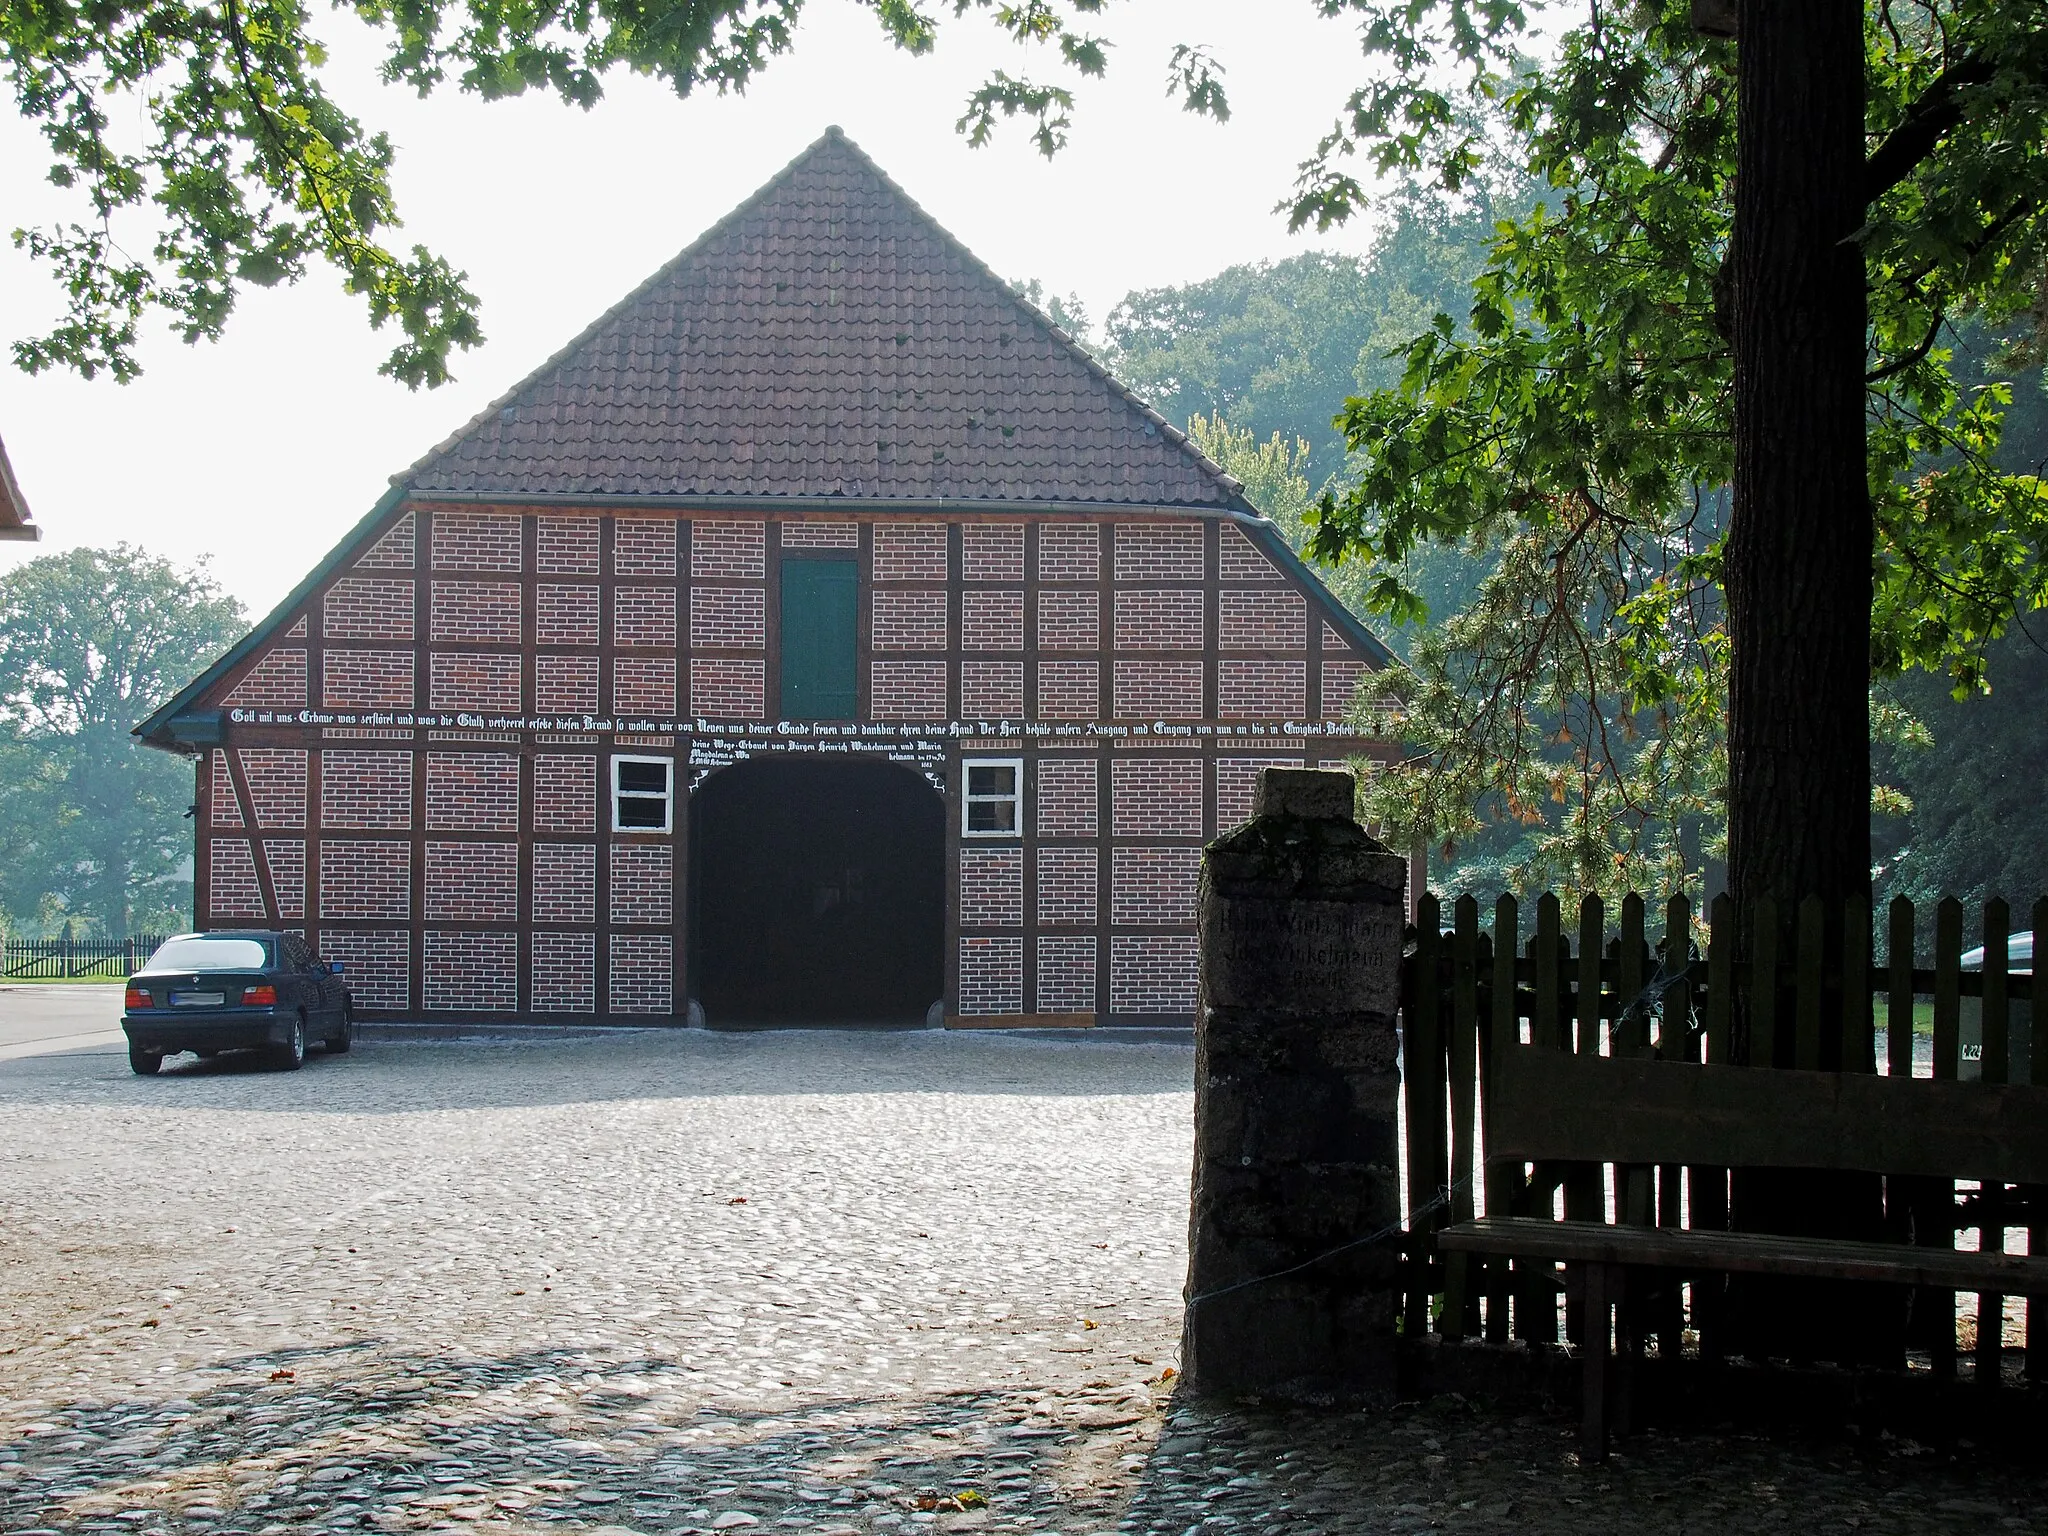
820,608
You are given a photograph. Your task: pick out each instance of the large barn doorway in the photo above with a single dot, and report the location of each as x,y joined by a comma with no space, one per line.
818,893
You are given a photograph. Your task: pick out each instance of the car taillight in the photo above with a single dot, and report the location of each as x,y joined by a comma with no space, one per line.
138,998
259,997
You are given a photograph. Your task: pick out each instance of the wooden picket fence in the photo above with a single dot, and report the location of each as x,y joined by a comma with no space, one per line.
1619,991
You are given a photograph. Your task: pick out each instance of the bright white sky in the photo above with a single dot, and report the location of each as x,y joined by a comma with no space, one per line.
262,450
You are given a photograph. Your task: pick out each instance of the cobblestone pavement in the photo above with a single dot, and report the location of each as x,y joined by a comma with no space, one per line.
831,1283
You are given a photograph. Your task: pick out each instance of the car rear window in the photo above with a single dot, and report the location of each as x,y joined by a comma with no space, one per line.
209,955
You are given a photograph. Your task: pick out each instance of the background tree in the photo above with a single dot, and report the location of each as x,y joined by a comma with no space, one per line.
92,824
1963,809
1064,310
1259,360
1590,412
1975,781
1277,474
1278,346
206,152
1973,784
1270,347
1274,473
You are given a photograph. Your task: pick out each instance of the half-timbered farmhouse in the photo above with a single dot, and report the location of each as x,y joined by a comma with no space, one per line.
821,635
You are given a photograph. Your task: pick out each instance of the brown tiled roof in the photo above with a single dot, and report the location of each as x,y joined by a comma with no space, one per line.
827,338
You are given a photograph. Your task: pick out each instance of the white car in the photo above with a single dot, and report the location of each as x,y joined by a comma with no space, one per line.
2019,961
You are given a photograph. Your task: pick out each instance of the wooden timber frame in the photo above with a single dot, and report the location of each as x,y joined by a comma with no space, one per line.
1597,1082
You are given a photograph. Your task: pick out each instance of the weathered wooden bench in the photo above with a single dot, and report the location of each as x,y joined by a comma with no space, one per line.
1556,1106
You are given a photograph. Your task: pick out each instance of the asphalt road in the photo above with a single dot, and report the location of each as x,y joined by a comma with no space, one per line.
38,1021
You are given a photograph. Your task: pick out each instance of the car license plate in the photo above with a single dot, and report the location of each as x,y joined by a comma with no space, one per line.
198,999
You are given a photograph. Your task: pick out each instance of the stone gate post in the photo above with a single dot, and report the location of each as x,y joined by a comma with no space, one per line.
1297,1091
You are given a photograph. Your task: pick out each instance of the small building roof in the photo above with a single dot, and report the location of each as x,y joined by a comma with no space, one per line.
14,517
826,339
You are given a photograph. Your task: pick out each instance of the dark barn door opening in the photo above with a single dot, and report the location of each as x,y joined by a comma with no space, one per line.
818,893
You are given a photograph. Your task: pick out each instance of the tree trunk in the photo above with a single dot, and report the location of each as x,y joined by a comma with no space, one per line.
1798,580
1799,541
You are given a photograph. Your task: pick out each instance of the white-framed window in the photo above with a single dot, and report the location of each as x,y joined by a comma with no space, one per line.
643,794
992,802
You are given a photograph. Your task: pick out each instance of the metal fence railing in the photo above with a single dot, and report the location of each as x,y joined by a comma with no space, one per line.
72,959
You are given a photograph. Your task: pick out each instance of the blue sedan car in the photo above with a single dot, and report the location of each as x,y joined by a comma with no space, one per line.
244,989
